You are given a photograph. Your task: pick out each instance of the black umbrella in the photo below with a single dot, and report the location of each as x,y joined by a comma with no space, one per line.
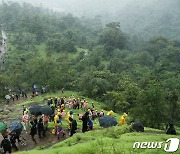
46,110
15,126
107,121
138,126
35,110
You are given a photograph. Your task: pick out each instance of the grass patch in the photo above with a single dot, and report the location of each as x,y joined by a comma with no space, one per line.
115,140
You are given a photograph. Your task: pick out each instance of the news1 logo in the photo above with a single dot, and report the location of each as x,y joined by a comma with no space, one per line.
171,145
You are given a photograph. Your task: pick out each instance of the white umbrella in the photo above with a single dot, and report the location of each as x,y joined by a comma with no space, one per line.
8,97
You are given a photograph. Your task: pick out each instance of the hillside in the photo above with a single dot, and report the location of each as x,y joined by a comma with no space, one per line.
118,139
101,63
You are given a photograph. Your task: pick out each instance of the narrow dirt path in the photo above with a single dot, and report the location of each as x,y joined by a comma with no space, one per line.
13,112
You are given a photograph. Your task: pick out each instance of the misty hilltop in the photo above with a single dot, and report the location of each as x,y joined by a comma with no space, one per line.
137,17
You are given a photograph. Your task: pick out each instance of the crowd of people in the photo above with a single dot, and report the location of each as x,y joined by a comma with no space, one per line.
58,105
38,124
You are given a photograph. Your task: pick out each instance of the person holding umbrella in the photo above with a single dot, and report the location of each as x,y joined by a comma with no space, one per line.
13,138
40,128
33,131
15,131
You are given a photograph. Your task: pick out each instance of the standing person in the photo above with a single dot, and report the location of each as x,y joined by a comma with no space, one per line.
25,119
45,123
69,114
40,127
55,102
13,140
101,113
62,100
94,114
122,121
33,131
62,90
78,103
24,109
93,107
90,114
85,119
13,97
17,97
49,102
6,145
59,129
73,126
63,114
90,125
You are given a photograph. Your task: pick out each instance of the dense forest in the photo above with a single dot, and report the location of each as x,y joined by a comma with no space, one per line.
102,62
140,18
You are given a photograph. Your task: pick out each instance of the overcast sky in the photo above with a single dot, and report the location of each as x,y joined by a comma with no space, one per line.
81,7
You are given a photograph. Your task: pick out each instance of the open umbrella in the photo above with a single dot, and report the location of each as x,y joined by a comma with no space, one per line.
46,110
7,97
35,110
15,126
107,121
2,126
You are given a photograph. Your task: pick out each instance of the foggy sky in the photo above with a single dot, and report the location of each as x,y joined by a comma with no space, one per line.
135,16
81,7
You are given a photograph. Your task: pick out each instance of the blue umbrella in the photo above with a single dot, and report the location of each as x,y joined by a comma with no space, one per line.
15,126
107,121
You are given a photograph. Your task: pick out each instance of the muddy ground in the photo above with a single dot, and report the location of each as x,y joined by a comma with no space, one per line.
13,112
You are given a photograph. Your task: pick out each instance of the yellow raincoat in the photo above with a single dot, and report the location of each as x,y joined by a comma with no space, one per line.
110,113
123,119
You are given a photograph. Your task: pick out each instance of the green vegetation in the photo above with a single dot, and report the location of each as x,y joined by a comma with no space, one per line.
126,74
101,63
118,139
112,140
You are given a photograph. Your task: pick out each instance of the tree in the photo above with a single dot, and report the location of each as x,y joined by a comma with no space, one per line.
116,101
151,106
174,107
112,37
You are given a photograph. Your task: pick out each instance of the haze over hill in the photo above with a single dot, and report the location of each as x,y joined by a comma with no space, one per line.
137,17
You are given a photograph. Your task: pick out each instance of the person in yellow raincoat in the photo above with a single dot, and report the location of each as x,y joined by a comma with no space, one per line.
56,117
123,119
110,113
69,114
